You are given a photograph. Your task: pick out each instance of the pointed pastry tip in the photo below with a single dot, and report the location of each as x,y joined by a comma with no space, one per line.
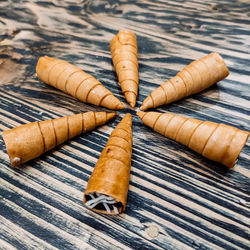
127,119
128,115
120,106
132,104
47,58
142,108
145,106
147,103
141,114
110,116
131,98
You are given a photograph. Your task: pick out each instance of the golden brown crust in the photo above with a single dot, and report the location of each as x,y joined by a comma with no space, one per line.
70,79
195,77
29,141
218,142
111,173
124,53
234,148
24,143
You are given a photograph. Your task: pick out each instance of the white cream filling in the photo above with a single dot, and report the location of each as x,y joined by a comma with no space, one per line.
16,160
107,202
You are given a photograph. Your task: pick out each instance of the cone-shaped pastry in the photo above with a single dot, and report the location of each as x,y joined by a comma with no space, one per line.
107,187
125,59
29,141
70,79
215,141
195,77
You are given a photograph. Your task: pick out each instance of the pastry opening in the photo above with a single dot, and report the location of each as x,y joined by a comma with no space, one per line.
16,161
103,203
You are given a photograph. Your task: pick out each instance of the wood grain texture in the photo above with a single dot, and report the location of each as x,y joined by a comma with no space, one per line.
177,199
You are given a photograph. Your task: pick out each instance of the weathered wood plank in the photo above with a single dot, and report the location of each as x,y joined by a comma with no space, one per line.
177,199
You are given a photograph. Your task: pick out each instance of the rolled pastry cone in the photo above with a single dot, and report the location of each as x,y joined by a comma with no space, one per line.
70,79
107,187
215,141
195,77
125,59
29,141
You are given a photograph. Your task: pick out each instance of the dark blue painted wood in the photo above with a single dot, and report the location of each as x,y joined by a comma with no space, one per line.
191,202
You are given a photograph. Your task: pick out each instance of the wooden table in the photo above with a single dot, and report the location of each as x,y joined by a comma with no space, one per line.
177,199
